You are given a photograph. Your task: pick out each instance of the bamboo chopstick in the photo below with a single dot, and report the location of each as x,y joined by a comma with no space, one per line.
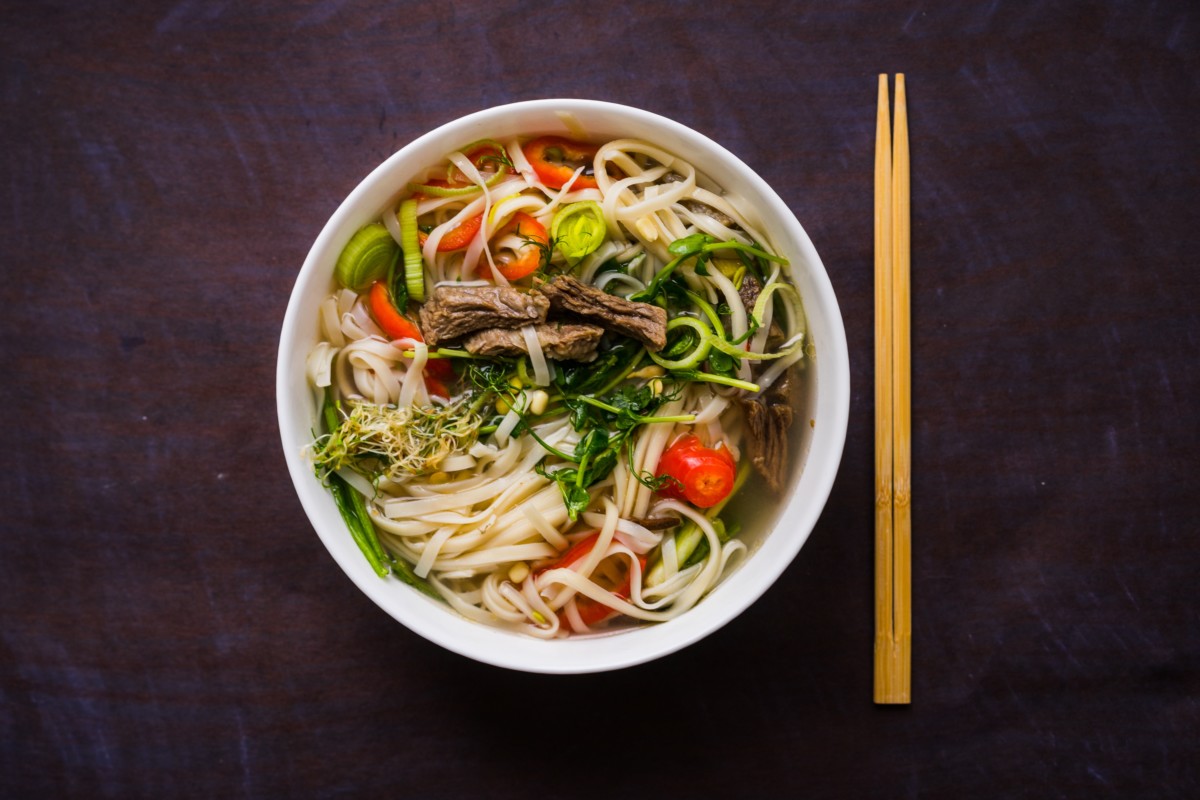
893,409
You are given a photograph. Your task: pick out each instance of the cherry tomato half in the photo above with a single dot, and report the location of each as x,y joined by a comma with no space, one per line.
703,476
555,160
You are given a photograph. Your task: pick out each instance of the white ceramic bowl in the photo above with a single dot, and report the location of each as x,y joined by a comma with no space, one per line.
778,538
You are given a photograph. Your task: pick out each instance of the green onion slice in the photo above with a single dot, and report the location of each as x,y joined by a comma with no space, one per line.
698,353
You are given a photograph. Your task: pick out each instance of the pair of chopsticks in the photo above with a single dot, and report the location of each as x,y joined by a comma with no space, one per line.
893,419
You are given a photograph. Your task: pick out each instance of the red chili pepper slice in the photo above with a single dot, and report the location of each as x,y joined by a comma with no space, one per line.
555,160
703,476
528,257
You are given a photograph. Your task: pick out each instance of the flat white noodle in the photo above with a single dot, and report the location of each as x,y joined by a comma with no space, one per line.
466,609
541,372
543,526
502,599
331,330
584,568
591,263
637,538
521,164
510,421
431,550
319,364
619,277
391,221
413,381
456,463
529,591
711,410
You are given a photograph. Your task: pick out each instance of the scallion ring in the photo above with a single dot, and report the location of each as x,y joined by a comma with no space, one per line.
697,354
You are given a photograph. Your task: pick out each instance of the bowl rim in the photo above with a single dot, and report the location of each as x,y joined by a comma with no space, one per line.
602,652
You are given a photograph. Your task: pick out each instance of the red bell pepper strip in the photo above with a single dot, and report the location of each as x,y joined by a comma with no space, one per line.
703,476
534,248
438,371
393,323
440,368
590,611
457,237
434,386
555,160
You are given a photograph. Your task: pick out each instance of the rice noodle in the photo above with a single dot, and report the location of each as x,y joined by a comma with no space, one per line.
541,372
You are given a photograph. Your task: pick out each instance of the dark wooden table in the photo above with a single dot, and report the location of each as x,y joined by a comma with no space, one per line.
172,627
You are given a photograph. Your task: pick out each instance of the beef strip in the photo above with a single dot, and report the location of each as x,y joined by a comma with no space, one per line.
560,341
454,311
642,321
696,207
658,523
768,419
749,291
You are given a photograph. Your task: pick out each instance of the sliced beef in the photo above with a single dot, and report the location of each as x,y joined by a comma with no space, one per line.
749,291
696,207
658,523
454,311
560,341
642,321
775,338
768,419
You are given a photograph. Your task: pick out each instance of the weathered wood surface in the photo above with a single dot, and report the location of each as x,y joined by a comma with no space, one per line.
173,628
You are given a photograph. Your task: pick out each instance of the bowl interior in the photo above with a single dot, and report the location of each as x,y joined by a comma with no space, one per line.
773,539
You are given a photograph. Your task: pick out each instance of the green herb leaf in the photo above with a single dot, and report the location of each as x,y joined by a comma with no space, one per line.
722,363
689,245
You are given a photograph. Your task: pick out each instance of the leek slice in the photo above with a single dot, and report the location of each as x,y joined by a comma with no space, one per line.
579,229
503,165
366,257
414,264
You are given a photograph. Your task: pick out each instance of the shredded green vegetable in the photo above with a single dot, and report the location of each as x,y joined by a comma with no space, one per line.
397,443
